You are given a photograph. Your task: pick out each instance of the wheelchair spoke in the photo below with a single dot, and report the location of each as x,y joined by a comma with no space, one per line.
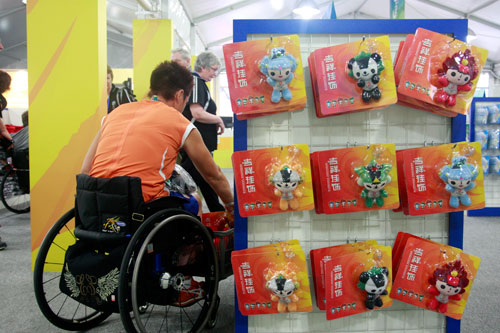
149,316
187,316
51,279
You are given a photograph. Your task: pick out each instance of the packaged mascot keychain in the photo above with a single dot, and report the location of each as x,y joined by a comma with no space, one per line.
352,77
265,76
440,179
272,279
358,281
431,275
278,69
439,73
273,180
355,179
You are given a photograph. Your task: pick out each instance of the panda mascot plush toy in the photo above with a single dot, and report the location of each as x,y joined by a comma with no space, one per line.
374,282
366,68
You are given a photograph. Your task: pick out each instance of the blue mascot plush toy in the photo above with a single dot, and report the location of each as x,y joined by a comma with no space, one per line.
279,68
459,178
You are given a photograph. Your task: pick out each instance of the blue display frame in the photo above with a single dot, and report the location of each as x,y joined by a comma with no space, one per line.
486,211
242,28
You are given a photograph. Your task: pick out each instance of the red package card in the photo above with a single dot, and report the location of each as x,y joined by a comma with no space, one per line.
271,282
273,180
358,282
357,179
445,178
265,76
352,77
435,276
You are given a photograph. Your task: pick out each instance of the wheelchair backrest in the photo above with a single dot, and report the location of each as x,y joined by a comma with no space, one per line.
109,205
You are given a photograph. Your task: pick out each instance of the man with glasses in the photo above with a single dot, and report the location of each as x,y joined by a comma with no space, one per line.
202,111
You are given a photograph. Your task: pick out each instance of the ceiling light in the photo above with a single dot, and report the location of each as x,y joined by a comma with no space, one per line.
277,4
471,35
306,9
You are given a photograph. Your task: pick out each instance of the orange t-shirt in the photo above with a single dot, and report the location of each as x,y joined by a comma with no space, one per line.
141,139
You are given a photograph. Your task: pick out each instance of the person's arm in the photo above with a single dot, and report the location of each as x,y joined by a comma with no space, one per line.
203,161
4,132
202,116
89,157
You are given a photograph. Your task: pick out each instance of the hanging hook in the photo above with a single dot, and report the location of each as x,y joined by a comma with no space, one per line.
454,39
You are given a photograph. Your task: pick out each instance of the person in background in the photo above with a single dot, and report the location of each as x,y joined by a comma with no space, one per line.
181,57
117,96
202,111
5,138
24,118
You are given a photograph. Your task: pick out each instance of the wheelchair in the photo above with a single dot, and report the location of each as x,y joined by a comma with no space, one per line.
144,256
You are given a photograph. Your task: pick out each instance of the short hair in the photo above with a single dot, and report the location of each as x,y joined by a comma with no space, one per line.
24,118
206,59
5,80
169,77
185,54
110,72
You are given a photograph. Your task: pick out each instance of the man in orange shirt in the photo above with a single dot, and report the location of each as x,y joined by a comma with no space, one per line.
142,139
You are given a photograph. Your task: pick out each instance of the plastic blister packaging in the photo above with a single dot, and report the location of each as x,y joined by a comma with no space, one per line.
494,138
481,117
493,114
495,164
481,136
486,164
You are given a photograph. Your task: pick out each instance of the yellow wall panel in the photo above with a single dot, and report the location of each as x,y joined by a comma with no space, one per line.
67,97
153,40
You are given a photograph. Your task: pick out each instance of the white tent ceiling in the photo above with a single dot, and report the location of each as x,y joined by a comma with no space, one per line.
212,21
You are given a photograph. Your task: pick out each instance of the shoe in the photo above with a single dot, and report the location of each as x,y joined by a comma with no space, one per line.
191,293
3,245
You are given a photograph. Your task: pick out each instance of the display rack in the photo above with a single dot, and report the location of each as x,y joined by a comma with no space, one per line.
403,126
491,182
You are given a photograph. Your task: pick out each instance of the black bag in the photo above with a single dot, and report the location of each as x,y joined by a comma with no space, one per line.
107,213
90,276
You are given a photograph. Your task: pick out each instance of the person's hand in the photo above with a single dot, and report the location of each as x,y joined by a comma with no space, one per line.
220,126
229,214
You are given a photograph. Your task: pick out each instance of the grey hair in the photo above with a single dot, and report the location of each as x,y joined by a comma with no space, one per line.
205,60
185,54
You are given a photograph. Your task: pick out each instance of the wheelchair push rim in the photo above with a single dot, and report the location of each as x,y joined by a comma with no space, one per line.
60,309
167,312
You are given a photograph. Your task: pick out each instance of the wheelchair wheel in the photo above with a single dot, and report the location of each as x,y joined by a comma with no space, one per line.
13,196
171,266
60,309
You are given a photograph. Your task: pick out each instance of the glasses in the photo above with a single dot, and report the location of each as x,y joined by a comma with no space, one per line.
215,69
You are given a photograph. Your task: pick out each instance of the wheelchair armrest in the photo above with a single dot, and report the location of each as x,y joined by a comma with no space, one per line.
101,238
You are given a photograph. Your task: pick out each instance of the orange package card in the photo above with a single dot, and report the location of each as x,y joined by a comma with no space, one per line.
358,179
445,178
265,75
398,68
442,71
352,77
319,258
273,180
267,283
435,276
358,282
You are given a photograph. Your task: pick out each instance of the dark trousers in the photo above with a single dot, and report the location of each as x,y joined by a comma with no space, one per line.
208,193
